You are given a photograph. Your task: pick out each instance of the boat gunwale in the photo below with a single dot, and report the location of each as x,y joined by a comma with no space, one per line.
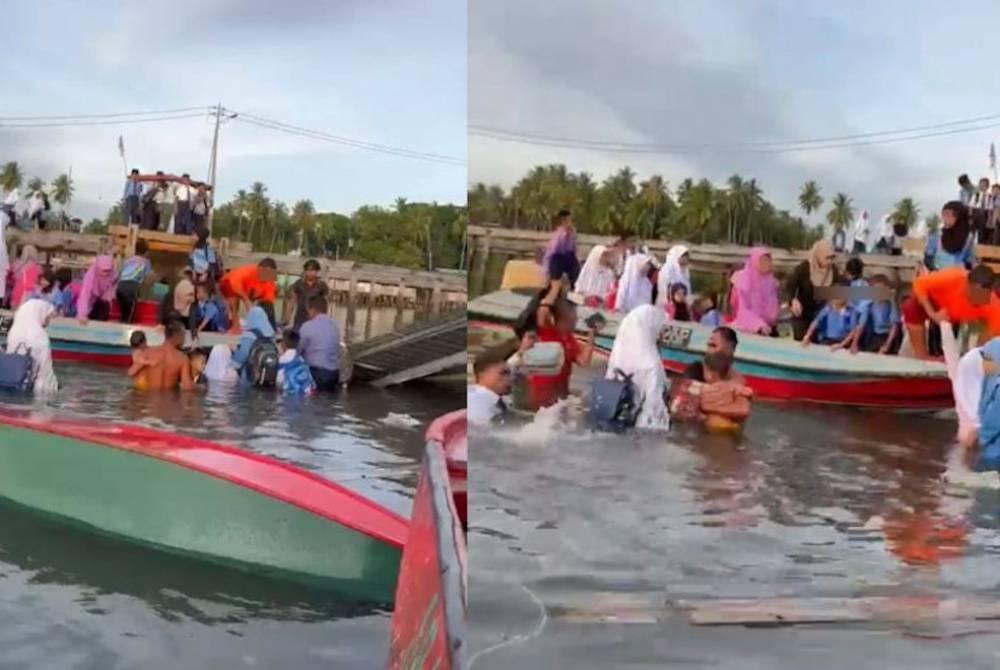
132,442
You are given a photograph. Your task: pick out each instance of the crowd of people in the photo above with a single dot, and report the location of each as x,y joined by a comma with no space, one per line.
179,206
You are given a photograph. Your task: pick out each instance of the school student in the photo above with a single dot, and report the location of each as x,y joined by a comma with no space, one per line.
833,325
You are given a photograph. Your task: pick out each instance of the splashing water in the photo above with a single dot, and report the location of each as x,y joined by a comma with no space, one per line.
400,420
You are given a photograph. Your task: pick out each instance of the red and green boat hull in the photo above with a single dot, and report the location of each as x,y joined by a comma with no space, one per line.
196,498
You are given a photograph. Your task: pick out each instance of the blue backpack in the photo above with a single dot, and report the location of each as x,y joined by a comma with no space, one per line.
614,406
298,379
17,370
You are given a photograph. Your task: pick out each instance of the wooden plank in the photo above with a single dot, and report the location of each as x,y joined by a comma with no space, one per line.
435,303
352,300
369,311
397,321
424,370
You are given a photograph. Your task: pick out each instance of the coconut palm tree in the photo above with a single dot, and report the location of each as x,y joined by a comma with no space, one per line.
841,212
696,205
809,197
36,184
932,223
653,201
905,213
62,190
304,219
11,176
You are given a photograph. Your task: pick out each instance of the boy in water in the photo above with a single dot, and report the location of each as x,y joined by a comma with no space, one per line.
140,360
198,360
294,377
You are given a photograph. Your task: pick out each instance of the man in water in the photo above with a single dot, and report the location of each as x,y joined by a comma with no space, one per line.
168,367
301,292
319,345
723,340
493,380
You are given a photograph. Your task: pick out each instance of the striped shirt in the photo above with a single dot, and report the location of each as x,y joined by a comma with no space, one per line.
135,269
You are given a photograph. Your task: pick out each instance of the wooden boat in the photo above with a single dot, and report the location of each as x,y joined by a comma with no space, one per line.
104,342
776,368
428,624
450,431
187,496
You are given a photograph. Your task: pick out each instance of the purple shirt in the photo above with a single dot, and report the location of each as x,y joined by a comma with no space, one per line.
319,342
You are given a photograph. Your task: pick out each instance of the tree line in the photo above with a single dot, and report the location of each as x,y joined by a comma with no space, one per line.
60,189
736,212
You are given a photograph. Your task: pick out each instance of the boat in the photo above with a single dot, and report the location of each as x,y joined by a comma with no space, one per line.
775,368
103,342
192,497
450,431
428,623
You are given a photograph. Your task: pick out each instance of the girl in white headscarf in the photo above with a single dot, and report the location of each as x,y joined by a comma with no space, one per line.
634,287
636,353
28,332
675,270
597,276
219,367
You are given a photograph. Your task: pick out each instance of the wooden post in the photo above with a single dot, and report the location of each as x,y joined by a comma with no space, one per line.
368,314
352,299
436,296
482,261
397,322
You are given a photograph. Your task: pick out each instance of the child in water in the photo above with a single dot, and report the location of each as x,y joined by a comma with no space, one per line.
677,307
834,325
725,404
140,360
294,377
198,360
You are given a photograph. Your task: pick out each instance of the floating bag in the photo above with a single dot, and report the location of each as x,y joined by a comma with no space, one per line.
614,405
262,362
17,370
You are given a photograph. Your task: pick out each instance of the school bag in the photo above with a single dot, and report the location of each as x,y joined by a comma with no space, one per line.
17,370
298,379
262,362
614,403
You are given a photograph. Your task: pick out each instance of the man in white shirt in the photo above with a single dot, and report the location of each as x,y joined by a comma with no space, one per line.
494,379
182,203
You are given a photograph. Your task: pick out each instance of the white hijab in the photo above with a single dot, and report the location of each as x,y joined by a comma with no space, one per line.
636,353
672,273
861,227
28,331
219,367
634,287
595,277
966,374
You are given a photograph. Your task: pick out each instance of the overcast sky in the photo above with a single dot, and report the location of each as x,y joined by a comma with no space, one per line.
383,71
718,71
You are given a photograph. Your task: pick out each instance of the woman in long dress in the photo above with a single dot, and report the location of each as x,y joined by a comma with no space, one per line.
676,270
636,354
756,295
597,276
28,332
634,287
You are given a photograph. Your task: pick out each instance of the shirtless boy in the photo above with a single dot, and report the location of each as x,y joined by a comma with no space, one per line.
168,367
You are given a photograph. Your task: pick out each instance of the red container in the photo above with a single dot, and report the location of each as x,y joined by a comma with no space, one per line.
146,312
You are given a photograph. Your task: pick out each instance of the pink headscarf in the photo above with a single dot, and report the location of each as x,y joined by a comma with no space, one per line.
95,286
26,274
756,296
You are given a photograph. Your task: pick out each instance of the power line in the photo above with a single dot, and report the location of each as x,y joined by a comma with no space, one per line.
103,116
116,122
347,141
751,148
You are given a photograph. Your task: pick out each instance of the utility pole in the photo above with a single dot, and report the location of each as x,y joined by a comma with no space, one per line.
212,164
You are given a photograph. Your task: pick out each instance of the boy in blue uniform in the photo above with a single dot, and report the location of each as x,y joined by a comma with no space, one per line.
881,326
834,325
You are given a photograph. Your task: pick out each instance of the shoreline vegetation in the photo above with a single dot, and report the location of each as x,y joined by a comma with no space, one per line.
418,236
736,212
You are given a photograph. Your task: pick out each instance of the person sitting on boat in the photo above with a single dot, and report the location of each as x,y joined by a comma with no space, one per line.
676,270
493,380
634,286
724,403
141,360
97,291
818,271
256,355
178,302
556,322
28,333
26,273
677,308
43,290
636,356
204,261
597,276
240,285
294,377
65,292
560,254
169,368
756,295
722,339
953,295
319,344
709,312
879,327
298,295
133,274
834,325
208,314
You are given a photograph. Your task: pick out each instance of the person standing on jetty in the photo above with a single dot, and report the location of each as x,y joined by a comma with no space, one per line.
133,196
300,293
243,285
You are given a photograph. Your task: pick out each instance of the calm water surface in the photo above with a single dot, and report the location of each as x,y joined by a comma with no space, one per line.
72,600
811,502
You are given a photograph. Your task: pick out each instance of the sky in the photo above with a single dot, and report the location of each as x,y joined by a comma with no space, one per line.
389,72
723,72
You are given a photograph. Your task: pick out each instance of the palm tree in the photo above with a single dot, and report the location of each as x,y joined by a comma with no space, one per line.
905,213
932,223
62,190
11,176
304,219
696,205
240,205
809,197
36,184
841,213
653,200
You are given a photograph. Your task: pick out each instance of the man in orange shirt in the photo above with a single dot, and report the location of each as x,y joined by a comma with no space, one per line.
246,284
955,295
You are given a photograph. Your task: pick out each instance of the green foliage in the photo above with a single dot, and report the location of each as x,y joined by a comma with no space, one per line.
62,190
933,223
905,212
841,213
36,184
699,211
810,199
11,176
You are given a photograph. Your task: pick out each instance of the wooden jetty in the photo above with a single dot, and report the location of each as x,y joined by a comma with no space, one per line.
424,349
710,258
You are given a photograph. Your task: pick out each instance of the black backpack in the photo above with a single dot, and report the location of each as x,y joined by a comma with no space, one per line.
262,362
614,405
